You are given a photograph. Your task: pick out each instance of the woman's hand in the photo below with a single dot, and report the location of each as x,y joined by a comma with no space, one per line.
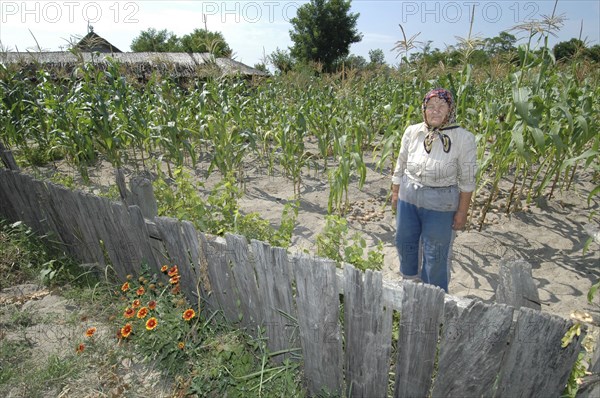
460,220
395,198
394,202
460,217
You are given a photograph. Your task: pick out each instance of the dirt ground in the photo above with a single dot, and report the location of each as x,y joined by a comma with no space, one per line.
549,234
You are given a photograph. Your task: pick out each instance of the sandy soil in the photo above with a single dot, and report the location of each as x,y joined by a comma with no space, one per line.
549,233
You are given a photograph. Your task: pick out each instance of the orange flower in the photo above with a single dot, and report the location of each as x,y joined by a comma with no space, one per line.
180,345
142,313
136,303
140,291
125,287
152,304
90,332
80,348
164,268
151,323
129,313
126,330
174,279
173,271
189,314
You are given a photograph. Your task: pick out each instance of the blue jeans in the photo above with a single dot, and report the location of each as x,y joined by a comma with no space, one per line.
430,229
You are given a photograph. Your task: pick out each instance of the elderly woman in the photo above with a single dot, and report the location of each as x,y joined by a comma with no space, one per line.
432,186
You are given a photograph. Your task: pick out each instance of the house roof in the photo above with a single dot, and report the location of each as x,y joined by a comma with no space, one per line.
174,64
93,42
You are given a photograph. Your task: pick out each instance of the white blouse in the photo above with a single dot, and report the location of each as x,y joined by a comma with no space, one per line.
437,169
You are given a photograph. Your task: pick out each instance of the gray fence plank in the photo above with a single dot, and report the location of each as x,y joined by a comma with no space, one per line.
31,203
72,217
208,303
591,383
516,286
472,347
49,218
83,212
142,195
158,250
6,207
536,365
223,291
275,291
194,249
60,207
318,303
420,320
368,330
109,225
12,192
127,245
245,281
7,158
179,254
24,201
138,232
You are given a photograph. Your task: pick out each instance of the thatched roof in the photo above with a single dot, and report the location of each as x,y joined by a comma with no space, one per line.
93,42
174,64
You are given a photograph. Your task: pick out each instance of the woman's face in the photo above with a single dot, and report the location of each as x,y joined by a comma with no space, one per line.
436,111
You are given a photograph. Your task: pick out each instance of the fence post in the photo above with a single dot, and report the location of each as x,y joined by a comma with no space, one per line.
142,195
516,286
7,158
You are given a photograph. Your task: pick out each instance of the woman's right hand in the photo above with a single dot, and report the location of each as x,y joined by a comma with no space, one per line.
394,201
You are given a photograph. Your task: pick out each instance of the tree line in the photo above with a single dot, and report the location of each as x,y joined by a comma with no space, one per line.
323,31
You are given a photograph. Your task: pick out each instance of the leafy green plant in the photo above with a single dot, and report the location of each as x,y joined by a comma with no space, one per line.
592,292
25,255
253,226
580,368
219,212
333,243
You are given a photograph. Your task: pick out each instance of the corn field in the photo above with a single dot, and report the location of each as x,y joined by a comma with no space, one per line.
536,122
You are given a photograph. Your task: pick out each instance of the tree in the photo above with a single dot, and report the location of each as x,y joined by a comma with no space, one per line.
281,60
376,57
593,53
204,41
568,49
502,43
261,67
323,31
199,41
355,62
152,40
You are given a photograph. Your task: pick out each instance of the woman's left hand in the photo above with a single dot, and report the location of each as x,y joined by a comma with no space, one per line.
460,220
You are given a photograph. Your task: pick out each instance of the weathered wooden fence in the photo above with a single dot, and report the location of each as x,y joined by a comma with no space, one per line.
341,322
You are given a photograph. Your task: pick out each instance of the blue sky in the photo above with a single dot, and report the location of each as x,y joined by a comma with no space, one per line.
254,29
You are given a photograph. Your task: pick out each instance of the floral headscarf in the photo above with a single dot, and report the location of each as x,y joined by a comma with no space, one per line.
446,95
447,124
